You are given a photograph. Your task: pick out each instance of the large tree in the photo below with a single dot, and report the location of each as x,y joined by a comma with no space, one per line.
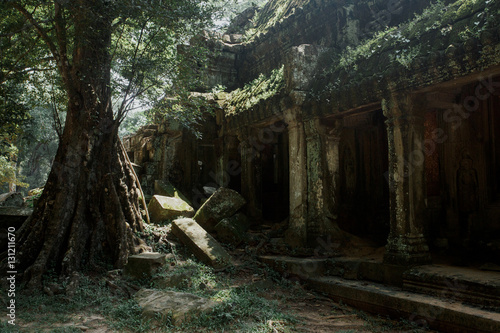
89,211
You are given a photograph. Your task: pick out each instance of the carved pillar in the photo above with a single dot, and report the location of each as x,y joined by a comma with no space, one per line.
406,244
296,235
251,178
322,175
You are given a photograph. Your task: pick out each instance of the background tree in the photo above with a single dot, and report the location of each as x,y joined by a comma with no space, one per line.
106,53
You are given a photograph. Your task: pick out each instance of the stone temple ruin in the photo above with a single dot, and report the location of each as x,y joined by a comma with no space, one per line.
365,122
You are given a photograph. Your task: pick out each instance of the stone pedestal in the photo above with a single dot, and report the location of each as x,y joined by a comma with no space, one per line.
406,244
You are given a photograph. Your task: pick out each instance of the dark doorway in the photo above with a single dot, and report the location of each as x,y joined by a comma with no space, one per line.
275,179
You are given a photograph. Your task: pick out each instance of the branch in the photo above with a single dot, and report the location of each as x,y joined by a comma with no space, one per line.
9,72
40,30
121,110
118,39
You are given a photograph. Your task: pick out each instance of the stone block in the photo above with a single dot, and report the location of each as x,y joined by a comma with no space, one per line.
232,230
222,204
177,307
144,265
163,208
11,199
201,243
165,188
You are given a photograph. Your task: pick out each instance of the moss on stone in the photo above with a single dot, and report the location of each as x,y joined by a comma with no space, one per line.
262,88
273,13
407,45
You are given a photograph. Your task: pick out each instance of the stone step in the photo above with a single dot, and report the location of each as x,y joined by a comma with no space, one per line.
299,267
440,314
365,269
461,283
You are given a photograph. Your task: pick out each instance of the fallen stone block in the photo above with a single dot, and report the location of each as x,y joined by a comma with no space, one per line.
222,204
165,188
201,243
144,265
232,230
171,306
163,208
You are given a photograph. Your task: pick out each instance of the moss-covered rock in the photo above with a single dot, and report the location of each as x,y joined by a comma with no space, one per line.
162,208
165,188
223,203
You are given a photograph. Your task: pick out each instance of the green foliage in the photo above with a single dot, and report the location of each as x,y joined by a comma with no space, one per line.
132,122
252,93
91,297
402,45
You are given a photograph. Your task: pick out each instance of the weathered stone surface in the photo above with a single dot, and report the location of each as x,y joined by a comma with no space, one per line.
223,203
180,307
165,188
11,199
232,230
163,208
144,265
201,243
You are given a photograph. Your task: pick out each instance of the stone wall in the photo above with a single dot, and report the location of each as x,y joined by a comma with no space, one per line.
383,124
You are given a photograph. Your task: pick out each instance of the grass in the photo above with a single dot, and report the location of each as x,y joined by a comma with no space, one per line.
240,308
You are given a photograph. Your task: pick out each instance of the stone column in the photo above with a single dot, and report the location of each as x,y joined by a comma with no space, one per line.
406,244
251,178
322,175
296,235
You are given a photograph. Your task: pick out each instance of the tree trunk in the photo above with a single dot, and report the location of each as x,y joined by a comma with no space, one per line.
89,209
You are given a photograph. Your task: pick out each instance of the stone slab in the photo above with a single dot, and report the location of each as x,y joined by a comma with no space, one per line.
163,306
222,204
440,314
299,267
144,265
162,208
462,283
201,243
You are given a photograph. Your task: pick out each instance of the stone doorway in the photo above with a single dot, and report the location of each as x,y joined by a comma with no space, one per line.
363,187
275,179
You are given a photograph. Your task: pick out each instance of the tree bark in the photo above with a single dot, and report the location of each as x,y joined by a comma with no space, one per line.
89,210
